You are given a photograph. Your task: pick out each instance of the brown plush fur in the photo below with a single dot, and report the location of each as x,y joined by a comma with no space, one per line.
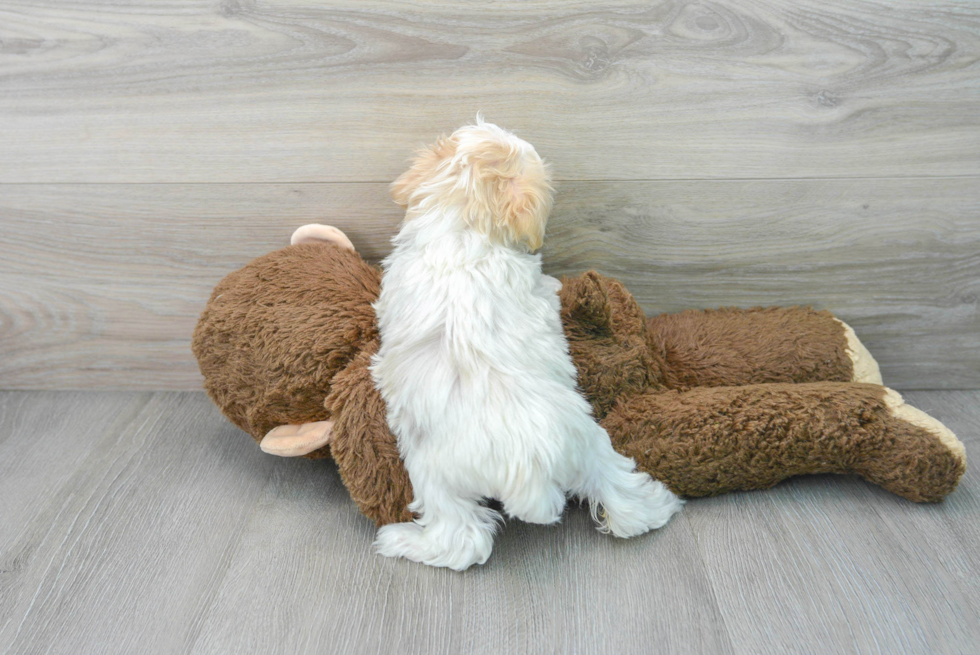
712,440
749,346
608,342
370,467
707,402
275,333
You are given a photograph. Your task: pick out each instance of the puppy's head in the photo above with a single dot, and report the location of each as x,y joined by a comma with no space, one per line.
496,181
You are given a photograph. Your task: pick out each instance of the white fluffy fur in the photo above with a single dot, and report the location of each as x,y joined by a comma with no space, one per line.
477,377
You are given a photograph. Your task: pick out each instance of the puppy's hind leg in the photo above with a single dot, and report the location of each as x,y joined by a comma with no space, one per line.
535,499
624,501
450,531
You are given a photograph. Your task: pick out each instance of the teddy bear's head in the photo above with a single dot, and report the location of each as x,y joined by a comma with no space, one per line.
607,337
276,332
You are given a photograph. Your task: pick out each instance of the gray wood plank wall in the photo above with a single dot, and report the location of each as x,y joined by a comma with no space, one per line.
707,154
293,90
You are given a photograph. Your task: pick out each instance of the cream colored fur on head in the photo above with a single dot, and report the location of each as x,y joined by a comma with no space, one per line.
474,367
497,181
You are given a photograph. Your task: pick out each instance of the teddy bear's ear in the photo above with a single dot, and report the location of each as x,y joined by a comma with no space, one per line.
585,301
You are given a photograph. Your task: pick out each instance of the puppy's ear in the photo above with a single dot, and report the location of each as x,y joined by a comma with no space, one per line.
509,194
425,166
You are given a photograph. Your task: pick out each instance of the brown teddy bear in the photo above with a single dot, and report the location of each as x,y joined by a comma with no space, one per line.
705,401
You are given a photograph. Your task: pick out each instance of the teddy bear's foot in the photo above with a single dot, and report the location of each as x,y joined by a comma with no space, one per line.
917,417
865,366
314,232
922,459
297,440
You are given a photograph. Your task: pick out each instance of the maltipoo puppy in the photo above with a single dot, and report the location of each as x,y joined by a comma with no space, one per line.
474,365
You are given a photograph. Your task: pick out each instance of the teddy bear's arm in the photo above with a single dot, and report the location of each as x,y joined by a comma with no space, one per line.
730,347
364,447
707,441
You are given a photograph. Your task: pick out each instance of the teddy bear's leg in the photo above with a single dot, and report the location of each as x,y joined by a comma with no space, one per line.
730,347
711,440
297,440
538,500
316,232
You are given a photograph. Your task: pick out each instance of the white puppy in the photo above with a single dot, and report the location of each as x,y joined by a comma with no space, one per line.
474,365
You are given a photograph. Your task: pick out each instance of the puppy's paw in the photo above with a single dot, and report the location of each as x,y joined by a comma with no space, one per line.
401,540
643,506
436,546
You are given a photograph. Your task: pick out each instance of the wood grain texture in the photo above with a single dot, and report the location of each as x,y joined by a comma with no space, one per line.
289,90
44,440
127,554
307,553
100,285
148,520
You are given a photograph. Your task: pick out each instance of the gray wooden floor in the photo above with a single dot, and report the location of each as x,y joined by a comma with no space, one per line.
139,521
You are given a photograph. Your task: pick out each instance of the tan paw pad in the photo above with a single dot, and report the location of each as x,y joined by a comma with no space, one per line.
865,366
